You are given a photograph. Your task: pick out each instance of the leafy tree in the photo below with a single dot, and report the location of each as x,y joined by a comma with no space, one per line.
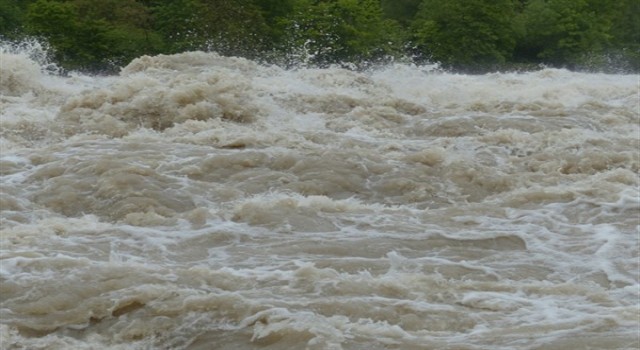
402,11
129,32
626,22
181,24
94,35
336,31
275,8
275,14
11,18
79,44
228,27
562,32
236,28
466,34
625,34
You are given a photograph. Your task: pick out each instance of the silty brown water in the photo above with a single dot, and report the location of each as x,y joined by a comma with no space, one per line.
203,202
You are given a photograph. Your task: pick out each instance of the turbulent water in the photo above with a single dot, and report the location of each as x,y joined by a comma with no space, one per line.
203,202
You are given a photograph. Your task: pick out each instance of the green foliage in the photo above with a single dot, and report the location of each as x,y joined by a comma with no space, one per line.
563,32
231,28
128,31
94,35
625,34
276,14
180,24
466,34
402,11
78,43
10,18
275,8
344,31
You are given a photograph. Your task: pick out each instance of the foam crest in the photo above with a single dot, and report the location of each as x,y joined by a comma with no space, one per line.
23,66
153,95
545,93
195,199
19,75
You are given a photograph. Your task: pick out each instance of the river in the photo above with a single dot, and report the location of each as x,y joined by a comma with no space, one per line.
196,201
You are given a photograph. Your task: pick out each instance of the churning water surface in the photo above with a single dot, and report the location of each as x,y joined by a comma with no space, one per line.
203,202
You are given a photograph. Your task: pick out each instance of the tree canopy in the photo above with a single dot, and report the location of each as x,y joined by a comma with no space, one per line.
466,35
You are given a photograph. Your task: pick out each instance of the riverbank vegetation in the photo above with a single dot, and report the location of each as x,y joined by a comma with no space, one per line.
463,35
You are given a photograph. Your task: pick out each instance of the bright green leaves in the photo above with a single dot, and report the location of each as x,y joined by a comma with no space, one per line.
228,27
78,43
181,24
91,37
465,34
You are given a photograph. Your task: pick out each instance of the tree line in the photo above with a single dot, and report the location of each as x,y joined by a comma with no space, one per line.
463,35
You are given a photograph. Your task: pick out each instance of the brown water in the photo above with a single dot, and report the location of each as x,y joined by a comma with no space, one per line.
203,202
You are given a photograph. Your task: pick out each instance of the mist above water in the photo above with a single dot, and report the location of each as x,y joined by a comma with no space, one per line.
196,201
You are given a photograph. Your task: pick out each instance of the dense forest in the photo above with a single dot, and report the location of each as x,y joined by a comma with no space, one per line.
464,35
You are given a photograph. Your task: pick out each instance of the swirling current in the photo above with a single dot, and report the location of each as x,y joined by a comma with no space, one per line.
196,201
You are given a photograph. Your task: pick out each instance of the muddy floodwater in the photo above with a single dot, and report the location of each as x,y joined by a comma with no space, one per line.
203,202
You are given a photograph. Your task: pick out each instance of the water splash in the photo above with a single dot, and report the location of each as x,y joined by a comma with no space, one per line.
196,199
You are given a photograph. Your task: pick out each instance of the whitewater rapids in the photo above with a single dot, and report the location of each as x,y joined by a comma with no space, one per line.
203,202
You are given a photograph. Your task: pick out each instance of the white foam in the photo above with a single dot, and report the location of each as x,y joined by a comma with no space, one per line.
327,208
